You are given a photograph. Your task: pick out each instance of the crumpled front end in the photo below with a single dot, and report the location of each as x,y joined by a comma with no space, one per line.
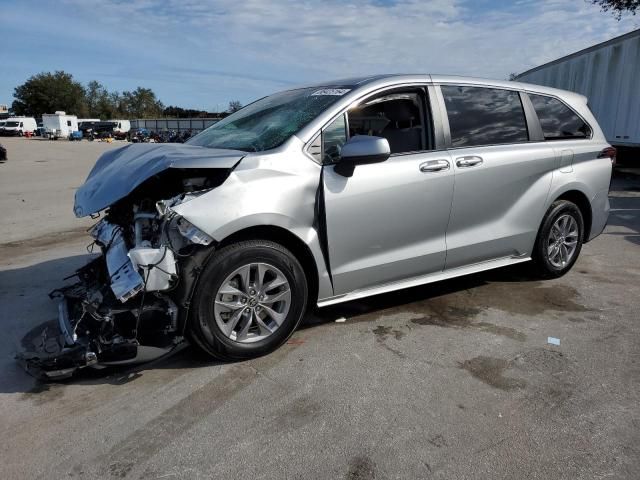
130,303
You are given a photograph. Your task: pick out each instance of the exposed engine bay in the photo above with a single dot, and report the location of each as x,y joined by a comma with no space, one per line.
130,303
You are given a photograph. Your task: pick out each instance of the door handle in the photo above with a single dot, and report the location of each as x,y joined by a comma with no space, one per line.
471,161
434,166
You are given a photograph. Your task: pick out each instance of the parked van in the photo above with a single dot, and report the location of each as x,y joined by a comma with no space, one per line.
59,125
325,194
19,126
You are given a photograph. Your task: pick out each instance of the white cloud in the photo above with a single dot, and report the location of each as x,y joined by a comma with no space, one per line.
257,46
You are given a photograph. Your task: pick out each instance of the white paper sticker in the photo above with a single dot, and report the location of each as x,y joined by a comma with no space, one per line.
331,91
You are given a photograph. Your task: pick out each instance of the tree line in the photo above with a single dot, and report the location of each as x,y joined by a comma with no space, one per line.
48,92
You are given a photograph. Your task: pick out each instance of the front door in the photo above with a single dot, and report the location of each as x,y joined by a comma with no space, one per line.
387,222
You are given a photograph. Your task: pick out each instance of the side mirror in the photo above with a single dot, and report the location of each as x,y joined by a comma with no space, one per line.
361,150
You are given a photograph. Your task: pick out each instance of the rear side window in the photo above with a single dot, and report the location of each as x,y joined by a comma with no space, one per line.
484,116
558,121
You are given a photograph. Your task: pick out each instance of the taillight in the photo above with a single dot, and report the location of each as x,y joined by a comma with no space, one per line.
610,153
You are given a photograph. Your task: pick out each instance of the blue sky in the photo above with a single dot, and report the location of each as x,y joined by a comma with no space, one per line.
204,53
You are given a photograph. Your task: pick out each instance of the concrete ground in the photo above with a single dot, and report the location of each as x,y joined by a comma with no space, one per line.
451,381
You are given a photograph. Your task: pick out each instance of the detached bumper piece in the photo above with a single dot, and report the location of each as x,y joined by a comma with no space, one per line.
48,355
95,328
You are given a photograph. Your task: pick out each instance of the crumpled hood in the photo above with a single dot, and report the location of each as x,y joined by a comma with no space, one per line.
118,172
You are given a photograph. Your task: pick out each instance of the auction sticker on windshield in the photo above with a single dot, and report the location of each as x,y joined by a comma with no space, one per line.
331,91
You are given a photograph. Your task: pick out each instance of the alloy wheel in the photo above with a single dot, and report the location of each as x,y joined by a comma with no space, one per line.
252,302
562,241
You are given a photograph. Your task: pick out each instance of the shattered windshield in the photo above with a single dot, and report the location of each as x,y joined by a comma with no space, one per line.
270,121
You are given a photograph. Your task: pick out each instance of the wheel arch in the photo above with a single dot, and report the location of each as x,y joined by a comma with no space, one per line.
582,202
291,242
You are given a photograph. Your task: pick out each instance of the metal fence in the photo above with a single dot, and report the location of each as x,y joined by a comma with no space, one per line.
179,125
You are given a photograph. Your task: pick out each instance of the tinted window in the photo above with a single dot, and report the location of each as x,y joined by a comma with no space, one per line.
395,116
557,120
484,116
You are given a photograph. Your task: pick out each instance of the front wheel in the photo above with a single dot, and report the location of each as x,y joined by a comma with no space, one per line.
559,240
249,299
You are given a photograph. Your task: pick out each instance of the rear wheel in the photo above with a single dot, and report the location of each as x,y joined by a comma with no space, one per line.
559,240
250,298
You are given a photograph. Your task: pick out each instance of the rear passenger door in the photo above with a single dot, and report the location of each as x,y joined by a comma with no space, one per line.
503,171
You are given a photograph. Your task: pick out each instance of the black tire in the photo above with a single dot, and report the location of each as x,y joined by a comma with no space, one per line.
543,266
203,329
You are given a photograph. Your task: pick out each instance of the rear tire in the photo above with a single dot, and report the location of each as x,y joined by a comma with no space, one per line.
249,300
559,240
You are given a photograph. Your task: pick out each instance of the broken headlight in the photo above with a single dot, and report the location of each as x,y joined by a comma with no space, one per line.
191,232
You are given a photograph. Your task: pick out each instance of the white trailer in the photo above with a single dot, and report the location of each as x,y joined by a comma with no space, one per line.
608,74
59,125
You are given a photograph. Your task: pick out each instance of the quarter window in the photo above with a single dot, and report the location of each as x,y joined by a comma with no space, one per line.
558,121
484,116
333,138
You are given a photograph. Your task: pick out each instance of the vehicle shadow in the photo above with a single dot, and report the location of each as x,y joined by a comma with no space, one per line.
24,306
515,274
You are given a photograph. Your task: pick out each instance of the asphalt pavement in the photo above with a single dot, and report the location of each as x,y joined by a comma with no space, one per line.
454,380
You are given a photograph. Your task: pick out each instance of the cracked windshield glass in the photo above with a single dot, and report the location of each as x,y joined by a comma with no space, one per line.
270,121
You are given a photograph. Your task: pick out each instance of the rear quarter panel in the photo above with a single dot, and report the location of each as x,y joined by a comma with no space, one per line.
587,174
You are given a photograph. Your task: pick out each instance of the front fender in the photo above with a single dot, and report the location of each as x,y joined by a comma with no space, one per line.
264,196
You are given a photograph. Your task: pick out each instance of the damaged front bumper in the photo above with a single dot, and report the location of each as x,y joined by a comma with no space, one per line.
130,303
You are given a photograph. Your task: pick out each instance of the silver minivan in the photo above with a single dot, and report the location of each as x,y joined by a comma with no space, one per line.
325,194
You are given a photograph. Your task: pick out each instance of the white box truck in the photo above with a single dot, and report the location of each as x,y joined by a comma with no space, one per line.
19,126
59,125
121,128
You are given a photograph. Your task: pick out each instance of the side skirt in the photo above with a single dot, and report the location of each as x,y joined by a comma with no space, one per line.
422,280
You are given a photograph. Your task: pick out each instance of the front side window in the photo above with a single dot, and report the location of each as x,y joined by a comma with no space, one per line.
484,116
558,121
270,121
397,116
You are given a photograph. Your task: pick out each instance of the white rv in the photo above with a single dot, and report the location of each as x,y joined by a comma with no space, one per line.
59,125
19,126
